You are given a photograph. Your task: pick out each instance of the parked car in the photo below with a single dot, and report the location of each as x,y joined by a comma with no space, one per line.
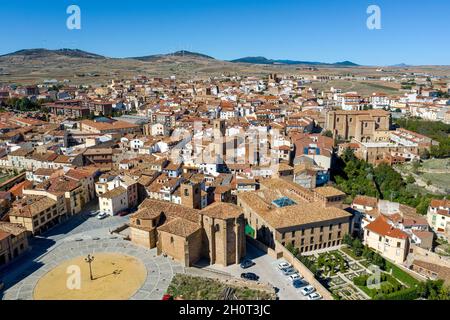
94,213
102,216
315,296
167,297
295,276
284,265
288,271
247,263
299,284
250,276
123,213
307,290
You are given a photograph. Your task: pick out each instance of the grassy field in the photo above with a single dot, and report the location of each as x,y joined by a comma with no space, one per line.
433,171
4,178
436,164
441,180
362,87
401,275
197,288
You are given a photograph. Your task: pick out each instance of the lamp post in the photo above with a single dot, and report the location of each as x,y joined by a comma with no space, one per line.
89,260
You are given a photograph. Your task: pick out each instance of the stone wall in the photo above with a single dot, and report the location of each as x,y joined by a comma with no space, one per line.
142,238
430,257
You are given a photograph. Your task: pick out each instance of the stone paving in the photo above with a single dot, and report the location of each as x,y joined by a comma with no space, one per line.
160,270
79,236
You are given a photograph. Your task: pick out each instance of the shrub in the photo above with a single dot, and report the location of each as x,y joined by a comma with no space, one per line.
405,294
361,280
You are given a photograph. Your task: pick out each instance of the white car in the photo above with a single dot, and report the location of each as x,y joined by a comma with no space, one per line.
307,290
284,265
295,277
94,213
102,216
314,296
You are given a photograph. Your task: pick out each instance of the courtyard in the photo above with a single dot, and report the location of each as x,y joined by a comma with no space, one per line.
337,271
349,277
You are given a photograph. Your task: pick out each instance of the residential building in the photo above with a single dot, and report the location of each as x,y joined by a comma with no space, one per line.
13,242
114,201
392,243
438,217
38,213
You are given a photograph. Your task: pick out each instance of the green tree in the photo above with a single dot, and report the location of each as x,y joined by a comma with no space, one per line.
410,179
379,261
357,247
327,133
347,240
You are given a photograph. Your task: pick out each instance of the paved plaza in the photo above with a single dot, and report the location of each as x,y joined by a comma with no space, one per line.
80,236
160,270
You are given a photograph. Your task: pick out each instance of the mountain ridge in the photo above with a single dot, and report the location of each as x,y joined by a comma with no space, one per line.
41,52
77,53
180,53
264,60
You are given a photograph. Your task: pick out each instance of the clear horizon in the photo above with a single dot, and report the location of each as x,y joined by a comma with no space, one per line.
322,31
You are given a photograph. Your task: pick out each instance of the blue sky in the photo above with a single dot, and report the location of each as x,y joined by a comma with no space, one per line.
413,31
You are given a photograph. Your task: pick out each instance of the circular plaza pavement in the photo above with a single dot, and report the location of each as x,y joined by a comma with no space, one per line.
114,277
159,270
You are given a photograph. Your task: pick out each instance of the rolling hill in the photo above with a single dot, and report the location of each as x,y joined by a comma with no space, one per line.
45,53
182,53
81,67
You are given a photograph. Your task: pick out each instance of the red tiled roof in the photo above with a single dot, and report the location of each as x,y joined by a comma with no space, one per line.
382,227
366,201
17,190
